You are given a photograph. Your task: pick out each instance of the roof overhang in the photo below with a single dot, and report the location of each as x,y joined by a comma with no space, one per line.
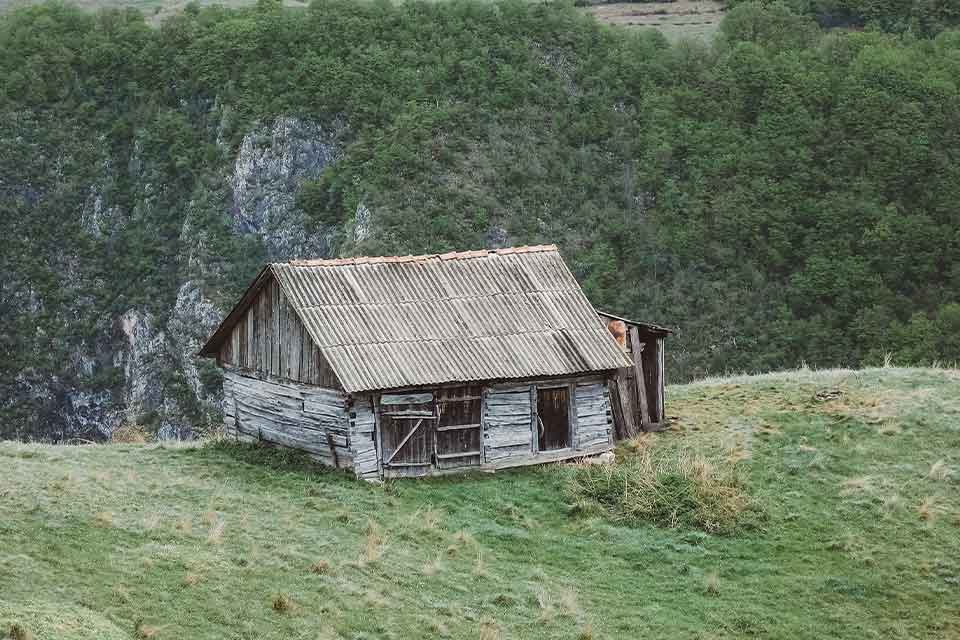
648,326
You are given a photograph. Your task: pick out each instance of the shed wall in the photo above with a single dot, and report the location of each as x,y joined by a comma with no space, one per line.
289,414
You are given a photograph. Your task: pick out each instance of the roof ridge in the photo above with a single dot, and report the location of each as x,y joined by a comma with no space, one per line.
452,255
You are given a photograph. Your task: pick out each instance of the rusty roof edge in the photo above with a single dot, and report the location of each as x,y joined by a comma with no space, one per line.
212,345
452,255
656,328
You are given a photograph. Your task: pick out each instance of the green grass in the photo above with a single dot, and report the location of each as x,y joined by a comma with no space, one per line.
860,536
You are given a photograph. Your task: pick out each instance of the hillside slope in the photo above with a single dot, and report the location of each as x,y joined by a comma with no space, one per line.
780,195
857,473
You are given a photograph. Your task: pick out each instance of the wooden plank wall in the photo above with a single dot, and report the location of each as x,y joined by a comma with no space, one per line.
271,339
363,444
293,415
594,418
507,425
654,378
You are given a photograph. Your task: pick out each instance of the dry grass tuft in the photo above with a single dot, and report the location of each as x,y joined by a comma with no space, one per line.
928,510
19,632
121,594
464,538
567,603
939,471
888,429
439,628
129,434
670,489
374,599
143,631
712,584
639,443
855,485
545,604
321,568
215,533
430,519
480,566
433,567
103,519
184,526
585,633
282,603
151,521
489,629
374,541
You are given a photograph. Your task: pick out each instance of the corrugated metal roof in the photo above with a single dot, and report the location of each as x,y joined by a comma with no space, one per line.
388,322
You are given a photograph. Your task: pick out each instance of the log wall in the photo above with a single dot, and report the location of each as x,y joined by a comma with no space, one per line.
298,416
344,431
271,340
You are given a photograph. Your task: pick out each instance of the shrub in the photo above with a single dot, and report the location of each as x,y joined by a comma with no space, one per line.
130,434
668,489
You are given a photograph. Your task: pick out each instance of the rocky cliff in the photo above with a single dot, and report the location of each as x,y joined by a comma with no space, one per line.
138,366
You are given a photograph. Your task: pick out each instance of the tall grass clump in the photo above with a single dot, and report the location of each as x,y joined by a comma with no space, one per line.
673,489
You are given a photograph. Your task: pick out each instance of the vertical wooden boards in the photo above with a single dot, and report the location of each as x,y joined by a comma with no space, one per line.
457,441
636,352
507,415
292,415
629,427
661,381
270,339
363,435
594,423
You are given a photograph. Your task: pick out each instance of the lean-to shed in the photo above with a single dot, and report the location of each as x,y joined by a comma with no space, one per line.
416,365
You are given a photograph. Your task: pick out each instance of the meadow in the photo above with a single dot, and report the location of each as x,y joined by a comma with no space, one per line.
854,532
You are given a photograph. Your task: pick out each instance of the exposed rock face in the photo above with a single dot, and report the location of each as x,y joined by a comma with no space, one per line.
141,367
141,358
272,163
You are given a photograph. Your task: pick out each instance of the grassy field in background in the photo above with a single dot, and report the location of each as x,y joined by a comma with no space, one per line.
697,19
856,472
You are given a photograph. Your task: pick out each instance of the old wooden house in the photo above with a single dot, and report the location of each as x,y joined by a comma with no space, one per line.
418,365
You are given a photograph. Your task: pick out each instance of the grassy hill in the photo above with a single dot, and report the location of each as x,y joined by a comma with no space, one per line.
854,475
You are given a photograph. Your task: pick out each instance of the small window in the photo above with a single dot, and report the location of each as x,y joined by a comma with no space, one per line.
553,418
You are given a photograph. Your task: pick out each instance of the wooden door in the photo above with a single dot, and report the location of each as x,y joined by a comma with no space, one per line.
407,430
458,427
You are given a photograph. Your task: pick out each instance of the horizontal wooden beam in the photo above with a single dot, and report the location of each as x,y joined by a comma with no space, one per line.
455,427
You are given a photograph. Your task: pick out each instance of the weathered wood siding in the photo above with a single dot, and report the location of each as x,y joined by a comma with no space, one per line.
298,416
363,443
594,419
270,339
508,418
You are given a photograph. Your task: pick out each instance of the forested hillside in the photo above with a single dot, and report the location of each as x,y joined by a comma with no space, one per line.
783,195
923,17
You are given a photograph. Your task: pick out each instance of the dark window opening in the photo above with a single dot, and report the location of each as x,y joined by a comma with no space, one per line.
553,418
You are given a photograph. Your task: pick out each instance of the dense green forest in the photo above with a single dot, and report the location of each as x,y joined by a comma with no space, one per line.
785,194
922,17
